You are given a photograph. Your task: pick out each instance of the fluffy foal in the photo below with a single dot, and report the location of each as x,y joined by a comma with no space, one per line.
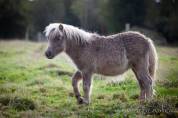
107,55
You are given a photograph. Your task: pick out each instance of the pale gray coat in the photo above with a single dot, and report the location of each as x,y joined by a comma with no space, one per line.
106,55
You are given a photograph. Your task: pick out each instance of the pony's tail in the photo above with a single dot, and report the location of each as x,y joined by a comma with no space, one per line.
153,63
153,60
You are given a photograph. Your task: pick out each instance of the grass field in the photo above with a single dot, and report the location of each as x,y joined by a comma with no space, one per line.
32,86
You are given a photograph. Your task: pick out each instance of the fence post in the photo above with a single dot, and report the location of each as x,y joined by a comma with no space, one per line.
127,27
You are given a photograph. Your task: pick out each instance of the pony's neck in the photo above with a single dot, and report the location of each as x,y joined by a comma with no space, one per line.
76,34
76,39
74,51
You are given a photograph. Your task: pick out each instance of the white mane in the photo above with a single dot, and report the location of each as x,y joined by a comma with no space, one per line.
72,33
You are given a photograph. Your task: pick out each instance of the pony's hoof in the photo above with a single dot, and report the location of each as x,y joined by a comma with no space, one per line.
82,101
142,98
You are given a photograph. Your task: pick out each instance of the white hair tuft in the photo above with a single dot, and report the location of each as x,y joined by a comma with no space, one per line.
72,33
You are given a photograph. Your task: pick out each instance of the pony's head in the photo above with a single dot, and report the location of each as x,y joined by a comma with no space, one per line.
59,35
56,42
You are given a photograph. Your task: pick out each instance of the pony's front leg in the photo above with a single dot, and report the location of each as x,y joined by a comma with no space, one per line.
75,81
87,80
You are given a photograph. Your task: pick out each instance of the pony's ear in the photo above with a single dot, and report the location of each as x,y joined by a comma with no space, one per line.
61,27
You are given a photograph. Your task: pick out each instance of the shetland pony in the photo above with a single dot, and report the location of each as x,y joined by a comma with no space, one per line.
107,55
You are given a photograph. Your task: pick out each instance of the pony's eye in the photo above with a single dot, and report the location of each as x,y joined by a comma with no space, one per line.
57,38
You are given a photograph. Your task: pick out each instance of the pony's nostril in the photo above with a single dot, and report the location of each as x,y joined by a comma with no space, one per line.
48,53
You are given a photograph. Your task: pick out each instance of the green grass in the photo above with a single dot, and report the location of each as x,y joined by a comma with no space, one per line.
33,86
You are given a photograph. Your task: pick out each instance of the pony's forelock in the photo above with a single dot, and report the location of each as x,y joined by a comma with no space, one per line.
71,32
50,27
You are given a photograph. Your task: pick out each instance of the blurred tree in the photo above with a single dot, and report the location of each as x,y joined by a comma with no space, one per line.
162,16
20,18
125,11
70,17
168,24
45,12
13,18
50,11
90,14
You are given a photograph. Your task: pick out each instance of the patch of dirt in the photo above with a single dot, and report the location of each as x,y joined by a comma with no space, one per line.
101,97
71,94
121,97
43,90
159,108
134,97
155,36
39,51
36,82
61,72
169,51
50,66
20,104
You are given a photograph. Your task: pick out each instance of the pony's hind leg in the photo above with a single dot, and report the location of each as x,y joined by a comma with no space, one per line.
75,81
144,79
145,83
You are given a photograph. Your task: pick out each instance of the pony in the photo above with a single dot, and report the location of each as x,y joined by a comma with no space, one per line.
106,55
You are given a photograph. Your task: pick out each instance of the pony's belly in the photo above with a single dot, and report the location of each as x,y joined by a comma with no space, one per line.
112,70
112,65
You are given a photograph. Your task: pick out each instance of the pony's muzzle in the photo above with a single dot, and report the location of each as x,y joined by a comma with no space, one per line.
49,54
